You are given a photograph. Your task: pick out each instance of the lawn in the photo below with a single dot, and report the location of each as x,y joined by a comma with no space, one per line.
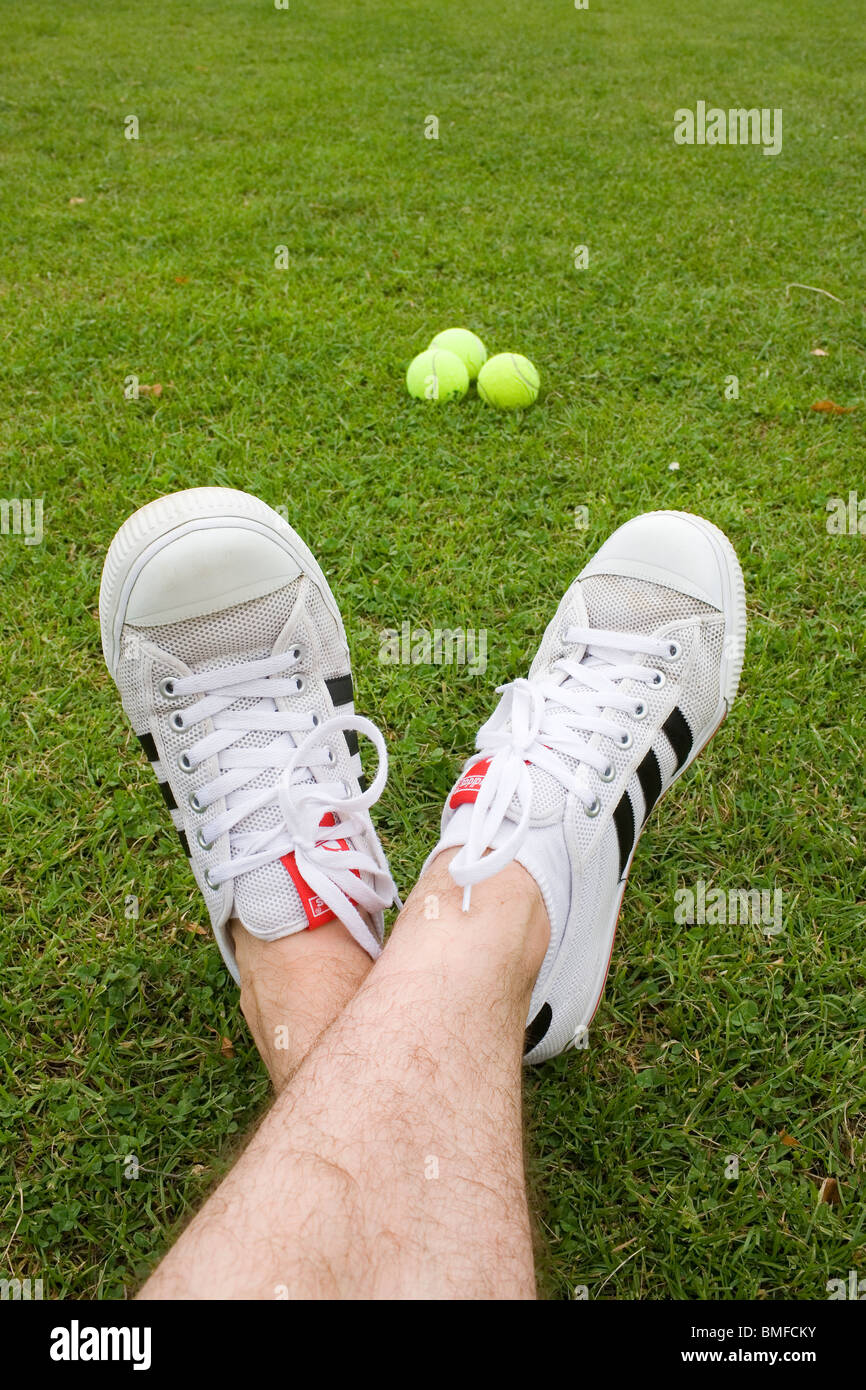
123,1049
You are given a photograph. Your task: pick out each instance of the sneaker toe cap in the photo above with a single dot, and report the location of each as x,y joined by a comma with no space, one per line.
202,572
669,548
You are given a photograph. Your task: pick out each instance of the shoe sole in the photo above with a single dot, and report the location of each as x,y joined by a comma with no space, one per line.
729,681
166,519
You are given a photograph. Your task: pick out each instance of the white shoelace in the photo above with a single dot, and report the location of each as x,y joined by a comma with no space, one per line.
547,719
302,803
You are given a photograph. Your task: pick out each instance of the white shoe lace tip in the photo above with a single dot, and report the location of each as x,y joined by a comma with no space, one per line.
467,896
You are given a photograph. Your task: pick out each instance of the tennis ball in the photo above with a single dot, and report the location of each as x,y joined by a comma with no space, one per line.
437,375
508,381
468,347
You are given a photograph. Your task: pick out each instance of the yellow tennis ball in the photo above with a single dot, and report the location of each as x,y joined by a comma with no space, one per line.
468,347
508,381
437,375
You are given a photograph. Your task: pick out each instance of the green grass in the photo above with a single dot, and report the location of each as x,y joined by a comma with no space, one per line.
305,128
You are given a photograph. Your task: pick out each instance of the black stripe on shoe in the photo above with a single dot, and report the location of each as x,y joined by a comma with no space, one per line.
679,735
168,796
649,774
181,835
340,689
623,819
351,737
149,746
537,1028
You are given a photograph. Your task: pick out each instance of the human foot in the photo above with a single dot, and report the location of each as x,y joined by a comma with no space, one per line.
229,652
635,673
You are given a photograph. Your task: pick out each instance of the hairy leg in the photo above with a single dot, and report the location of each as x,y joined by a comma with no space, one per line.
294,988
391,1165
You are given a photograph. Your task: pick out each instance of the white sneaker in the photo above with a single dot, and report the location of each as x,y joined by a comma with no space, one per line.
229,652
635,673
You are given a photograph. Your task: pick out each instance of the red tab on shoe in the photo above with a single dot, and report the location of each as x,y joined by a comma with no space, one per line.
316,909
469,786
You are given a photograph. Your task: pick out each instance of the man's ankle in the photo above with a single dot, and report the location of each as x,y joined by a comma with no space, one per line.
293,988
506,919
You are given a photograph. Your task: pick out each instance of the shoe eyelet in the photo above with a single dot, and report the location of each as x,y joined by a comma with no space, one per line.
315,721
202,842
640,710
608,774
166,688
184,763
214,887
196,804
176,722
297,653
593,808
674,650
332,757
658,680
299,684
625,741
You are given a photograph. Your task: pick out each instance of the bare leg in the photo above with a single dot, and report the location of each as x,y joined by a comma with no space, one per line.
392,1165
294,988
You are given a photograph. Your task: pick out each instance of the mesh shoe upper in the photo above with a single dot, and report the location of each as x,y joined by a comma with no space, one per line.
247,715
586,792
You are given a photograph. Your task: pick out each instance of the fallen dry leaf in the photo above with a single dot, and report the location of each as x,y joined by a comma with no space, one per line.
154,390
197,1168
74,202
831,408
194,926
227,1047
788,1139
181,279
820,352
830,1193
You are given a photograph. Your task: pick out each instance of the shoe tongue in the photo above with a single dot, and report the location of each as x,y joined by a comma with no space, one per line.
635,605
240,633
266,899
594,602
606,601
